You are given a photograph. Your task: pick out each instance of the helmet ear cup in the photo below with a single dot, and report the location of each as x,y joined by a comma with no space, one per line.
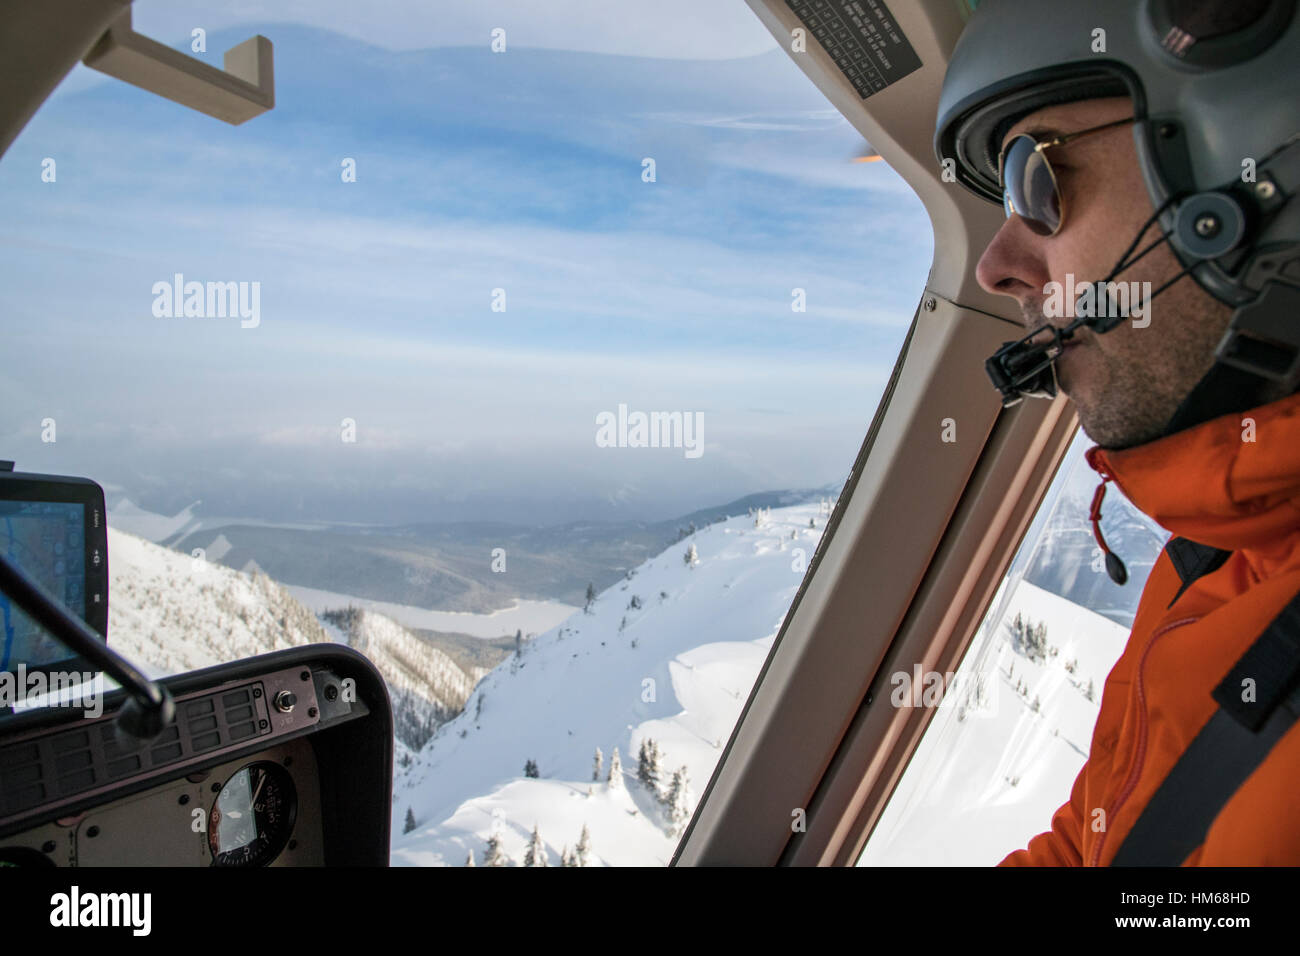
1214,34
1209,225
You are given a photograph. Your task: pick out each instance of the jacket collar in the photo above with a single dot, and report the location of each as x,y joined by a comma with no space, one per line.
1231,482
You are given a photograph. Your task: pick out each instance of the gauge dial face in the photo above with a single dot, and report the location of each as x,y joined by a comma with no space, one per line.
253,816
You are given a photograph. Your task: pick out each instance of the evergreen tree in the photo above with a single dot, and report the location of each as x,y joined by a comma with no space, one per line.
565,859
692,557
591,598
1091,692
597,764
649,769
519,641
615,770
410,821
678,809
530,768
535,855
581,851
493,856
469,858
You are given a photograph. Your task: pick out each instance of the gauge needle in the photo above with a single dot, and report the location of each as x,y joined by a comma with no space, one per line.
253,801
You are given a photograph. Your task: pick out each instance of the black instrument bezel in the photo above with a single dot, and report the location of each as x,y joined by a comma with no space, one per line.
26,486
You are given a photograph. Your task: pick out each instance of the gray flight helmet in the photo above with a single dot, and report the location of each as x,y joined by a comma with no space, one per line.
1215,85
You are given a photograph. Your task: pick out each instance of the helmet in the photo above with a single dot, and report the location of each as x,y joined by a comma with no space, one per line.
1214,90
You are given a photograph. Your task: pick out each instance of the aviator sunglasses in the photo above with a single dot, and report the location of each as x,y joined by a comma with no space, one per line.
1029,187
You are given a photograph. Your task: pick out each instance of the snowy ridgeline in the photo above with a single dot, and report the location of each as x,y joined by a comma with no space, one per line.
590,745
171,613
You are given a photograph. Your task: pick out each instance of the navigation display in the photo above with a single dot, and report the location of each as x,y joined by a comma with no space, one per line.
47,539
53,529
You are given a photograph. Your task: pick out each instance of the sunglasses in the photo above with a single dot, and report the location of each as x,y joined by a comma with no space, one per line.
1029,187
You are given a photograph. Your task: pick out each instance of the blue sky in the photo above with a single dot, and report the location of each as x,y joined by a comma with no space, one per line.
475,171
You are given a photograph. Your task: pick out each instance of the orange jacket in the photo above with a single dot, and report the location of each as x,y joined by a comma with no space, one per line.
1214,485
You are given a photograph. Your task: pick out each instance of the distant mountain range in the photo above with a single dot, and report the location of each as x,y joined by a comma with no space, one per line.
446,566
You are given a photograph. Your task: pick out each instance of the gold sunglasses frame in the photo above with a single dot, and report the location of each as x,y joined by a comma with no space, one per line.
1039,147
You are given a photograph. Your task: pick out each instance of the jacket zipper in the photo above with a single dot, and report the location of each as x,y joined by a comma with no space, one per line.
1140,756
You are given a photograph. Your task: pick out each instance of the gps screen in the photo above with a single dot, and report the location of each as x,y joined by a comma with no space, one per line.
47,540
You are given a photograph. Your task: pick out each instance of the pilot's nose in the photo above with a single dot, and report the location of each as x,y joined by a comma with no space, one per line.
1011,265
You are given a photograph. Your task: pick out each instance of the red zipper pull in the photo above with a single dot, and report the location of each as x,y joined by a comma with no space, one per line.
1114,566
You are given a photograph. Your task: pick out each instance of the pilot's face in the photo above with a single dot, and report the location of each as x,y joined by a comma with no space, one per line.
1126,383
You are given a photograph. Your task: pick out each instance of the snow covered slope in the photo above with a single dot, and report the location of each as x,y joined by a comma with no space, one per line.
983,781
426,686
668,655
170,613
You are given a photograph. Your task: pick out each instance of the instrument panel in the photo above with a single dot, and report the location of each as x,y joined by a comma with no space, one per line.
258,811
278,760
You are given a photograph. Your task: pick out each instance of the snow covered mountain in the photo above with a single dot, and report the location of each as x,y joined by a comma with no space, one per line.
170,613
668,655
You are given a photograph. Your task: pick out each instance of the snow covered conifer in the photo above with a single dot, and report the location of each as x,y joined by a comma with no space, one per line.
469,858
647,770
692,557
597,765
584,844
591,598
535,855
615,769
493,855
410,821
678,809
530,768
